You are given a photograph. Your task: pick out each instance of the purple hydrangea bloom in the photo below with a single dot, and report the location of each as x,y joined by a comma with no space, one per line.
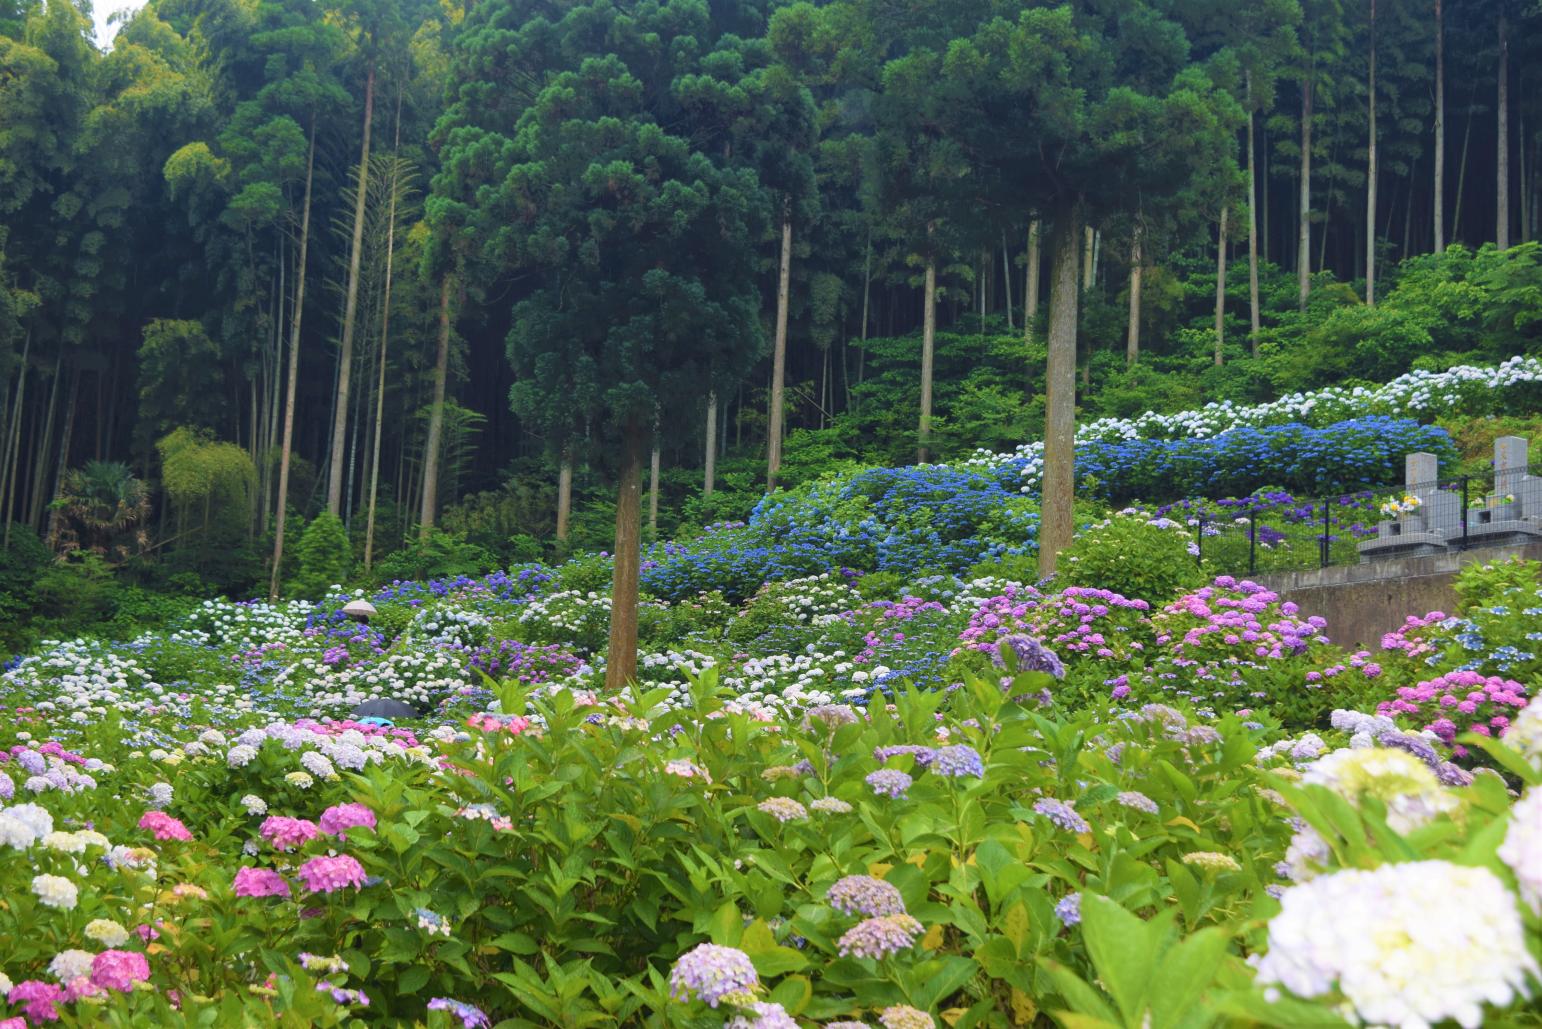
880,937
865,895
1069,910
471,1016
1027,655
714,974
958,761
889,782
1418,746
1062,814
1453,775
923,755
1137,801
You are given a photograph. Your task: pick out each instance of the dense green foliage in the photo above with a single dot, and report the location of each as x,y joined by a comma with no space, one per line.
156,287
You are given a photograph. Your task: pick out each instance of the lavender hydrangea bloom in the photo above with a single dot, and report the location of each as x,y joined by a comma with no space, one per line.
1137,801
714,974
1027,655
1418,746
1069,910
783,809
1453,775
830,716
7,787
880,937
762,1015
865,895
1062,814
889,782
958,761
923,755
471,1016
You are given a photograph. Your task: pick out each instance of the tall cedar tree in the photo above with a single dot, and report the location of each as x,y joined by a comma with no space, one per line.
636,243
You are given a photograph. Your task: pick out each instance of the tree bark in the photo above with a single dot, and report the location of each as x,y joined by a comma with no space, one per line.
621,657
653,487
1031,285
1132,336
64,453
1254,314
564,492
385,337
1088,258
1304,244
928,342
1220,288
1461,167
1440,127
779,353
350,312
287,444
1006,277
13,440
710,474
432,446
1370,176
1057,526
40,454
1502,155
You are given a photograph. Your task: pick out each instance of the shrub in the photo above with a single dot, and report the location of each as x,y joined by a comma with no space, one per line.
1152,559
325,557
436,555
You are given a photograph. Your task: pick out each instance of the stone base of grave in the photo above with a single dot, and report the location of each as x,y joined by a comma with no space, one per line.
1503,533
1411,544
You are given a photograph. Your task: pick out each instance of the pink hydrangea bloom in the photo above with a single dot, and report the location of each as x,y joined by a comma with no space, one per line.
327,874
36,1000
339,818
163,826
287,834
260,882
119,969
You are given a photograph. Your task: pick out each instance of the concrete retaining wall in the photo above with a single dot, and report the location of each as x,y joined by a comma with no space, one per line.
1363,602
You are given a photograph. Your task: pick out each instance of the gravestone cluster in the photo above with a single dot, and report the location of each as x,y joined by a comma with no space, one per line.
1438,520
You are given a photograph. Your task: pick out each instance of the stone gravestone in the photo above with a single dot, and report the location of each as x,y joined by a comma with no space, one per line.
1438,523
1423,530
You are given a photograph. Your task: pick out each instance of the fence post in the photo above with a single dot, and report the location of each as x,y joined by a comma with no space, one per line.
1324,544
1253,540
1465,480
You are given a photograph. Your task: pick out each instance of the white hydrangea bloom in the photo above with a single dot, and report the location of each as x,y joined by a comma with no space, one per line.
1406,945
254,805
1396,778
240,755
55,891
1522,848
70,964
1525,733
106,932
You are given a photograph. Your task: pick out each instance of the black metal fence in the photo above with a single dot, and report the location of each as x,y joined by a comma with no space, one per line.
1274,531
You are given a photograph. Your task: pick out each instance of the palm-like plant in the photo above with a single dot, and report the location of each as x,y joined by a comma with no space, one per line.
101,507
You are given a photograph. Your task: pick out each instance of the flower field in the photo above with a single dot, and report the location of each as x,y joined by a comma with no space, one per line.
869,775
